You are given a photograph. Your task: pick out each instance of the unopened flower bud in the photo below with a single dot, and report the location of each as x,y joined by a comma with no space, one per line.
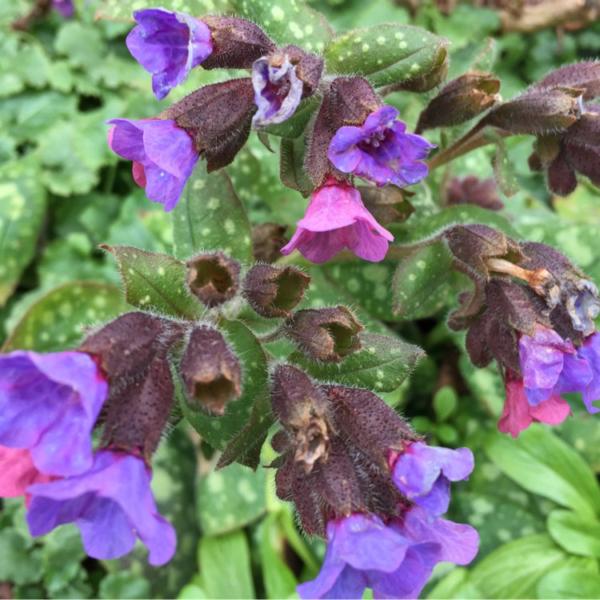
301,407
210,370
213,278
584,76
133,352
273,291
472,190
327,334
537,111
460,100
218,117
267,240
237,43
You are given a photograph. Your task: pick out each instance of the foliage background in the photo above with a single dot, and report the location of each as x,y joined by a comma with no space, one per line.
535,501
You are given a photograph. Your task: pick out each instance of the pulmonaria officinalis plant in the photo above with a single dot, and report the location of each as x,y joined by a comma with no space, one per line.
249,343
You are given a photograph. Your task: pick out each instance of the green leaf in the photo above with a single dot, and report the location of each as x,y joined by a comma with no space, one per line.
22,211
238,492
292,171
386,54
124,585
81,44
122,10
19,564
225,566
59,318
444,402
382,364
365,283
217,431
245,447
427,225
61,557
424,282
569,583
575,533
454,585
279,580
155,281
210,216
513,570
287,22
542,463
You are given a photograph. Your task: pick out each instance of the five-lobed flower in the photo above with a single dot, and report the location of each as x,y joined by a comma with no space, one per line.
168,45
336,218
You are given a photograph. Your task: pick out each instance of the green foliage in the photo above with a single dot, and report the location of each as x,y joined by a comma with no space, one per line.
22,210
59,319
210,216
155,282
386,54
382,364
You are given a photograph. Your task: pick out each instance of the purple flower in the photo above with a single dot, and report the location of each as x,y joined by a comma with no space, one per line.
168,45
380,150
336,219
590,351
48,405
552,366
112,504
394,559
423,474
64,7
277,91
163,156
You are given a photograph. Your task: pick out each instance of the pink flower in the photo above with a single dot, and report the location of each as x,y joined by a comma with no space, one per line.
518,413
17,472
336,219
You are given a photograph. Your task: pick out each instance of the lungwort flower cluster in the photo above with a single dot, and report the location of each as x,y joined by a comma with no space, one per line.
533,312
360,477
354,135
49,404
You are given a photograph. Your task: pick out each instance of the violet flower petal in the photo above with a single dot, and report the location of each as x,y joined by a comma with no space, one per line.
168,45
48,405
114,495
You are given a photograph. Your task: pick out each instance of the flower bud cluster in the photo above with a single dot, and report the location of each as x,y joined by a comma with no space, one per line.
359,476
533,312
119,380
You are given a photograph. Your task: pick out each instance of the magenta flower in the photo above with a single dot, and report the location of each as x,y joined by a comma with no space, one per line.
64,7
163,156
551,366
111,504
394,559
423,474
17,472
277,91
380,150
168,45
336,219
518,413
48,405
